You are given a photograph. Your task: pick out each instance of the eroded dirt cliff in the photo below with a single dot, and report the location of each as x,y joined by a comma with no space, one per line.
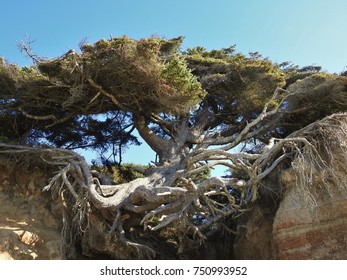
28,229
303,213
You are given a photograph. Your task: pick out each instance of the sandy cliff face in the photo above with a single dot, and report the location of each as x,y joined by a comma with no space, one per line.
303,232
311,219
28,230
312,223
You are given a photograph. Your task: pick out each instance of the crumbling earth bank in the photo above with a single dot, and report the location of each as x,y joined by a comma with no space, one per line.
310,220
28,229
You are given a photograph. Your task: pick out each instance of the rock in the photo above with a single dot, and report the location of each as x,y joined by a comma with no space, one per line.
28,237
305,231
5,256
254,238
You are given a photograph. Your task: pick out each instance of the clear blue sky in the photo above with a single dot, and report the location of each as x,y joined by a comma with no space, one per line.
305,32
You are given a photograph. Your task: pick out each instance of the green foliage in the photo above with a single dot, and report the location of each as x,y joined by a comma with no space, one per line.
14,127
316,97
134,75
223,54
237,86
171,46
122,173
7,76
294,73
116,76
129,171
188,91
152,82
89,99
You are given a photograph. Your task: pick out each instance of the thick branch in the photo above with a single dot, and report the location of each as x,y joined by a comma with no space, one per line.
203,120
159,145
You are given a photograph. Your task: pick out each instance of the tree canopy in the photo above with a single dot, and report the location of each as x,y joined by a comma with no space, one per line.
196,109
92,98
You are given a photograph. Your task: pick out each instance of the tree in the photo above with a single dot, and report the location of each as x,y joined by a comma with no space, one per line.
196,109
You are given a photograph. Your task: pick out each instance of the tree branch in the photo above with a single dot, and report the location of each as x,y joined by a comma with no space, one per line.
158,144
38,118
109,95
166,125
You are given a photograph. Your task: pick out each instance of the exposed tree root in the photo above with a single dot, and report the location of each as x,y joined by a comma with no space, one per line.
169,197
